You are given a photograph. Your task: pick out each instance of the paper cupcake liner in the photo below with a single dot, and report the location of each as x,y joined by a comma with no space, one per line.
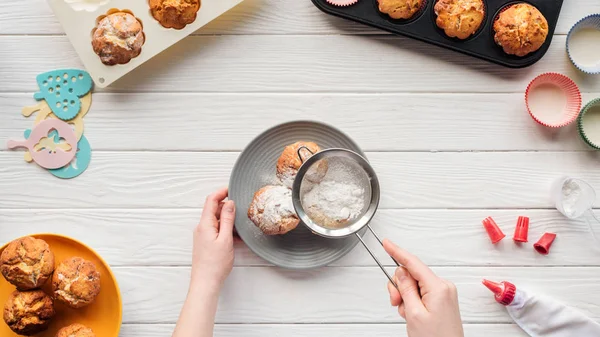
341,3
568,87
590,21
581,126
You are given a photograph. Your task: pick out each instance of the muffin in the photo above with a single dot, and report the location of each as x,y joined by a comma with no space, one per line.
76,282
27,263
400,9
174,13
118,38
29,312
75,330
520,29
289,162
459,18
272,210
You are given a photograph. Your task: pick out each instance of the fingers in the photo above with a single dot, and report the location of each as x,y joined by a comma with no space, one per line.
402,310
395,298
409,290
417,269
227,219
211,206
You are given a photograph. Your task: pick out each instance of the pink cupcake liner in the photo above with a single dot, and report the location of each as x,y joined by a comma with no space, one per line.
568,87
341,3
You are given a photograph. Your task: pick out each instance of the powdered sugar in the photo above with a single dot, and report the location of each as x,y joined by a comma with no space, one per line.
274,205
340,197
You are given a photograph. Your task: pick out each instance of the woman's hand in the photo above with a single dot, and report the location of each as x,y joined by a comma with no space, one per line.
213,255
428,303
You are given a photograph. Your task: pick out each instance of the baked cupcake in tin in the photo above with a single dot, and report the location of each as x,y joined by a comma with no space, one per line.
174,13
459,18
118,38
520,29
400,9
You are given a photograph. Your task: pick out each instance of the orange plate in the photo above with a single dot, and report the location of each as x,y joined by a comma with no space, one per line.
103,316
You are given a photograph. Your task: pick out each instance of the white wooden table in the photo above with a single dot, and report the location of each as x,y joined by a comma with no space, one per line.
448,135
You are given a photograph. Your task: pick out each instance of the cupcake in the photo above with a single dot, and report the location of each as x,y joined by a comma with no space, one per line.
520,29
272,210
75,330
76,282
289,162
118,38
400,9
29,312
27,263
459,18
174,13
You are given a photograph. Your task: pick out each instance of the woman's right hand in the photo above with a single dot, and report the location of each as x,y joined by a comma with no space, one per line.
428,303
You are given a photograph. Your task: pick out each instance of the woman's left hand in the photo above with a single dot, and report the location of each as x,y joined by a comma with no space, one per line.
213,255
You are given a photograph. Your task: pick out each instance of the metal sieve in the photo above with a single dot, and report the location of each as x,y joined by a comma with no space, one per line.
354,226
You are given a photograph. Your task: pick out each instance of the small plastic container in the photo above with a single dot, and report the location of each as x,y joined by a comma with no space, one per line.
574,198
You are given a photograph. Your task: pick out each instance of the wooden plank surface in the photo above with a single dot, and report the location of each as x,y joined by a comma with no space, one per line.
138,236
293,64
447,134
250,17
458,180
306,330
341,295
396,122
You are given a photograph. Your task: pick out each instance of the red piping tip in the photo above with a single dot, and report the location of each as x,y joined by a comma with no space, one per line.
495,287
522,230
544,244
494,232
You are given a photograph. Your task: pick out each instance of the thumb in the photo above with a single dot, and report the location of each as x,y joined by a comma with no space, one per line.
227,219
409,290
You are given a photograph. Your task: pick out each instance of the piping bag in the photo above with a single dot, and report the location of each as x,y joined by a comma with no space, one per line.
541,316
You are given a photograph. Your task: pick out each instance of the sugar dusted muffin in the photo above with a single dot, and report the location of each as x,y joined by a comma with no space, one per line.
400,9
76,330
27,263
118,38
28,312
174,13
459,18
76,282
520,29
272,210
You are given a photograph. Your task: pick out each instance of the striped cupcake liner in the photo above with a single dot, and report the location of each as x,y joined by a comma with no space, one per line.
581,124
341,3
568,87
590,21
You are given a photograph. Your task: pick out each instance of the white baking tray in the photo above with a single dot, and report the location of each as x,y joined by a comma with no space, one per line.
78,18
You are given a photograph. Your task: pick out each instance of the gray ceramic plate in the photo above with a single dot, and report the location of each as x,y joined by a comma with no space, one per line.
255,168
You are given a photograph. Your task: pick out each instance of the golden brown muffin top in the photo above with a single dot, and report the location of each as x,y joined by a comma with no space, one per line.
76,282
28,312
520,29
118,38
174,13
27,263
76,330
400,9
289,162
459,18
272,210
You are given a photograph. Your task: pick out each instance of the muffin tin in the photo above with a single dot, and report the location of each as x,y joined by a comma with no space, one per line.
79,18
423,27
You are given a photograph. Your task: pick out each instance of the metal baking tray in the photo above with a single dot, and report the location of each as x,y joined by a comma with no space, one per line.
423,27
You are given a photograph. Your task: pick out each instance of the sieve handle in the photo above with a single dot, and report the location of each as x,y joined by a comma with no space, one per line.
381,242
300,155
376,259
